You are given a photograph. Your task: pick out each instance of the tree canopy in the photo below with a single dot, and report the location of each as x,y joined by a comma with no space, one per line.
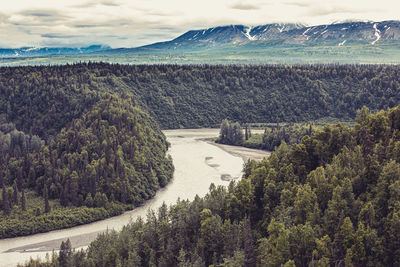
191,96
331,200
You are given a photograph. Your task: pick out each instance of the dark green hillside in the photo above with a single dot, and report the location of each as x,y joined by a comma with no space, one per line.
111,158
67,131
114,149
43,100
332,200
197,96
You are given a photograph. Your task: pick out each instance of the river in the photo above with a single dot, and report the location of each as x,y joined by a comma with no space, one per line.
198,163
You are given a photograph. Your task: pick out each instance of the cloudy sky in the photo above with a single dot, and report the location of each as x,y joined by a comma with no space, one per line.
130,23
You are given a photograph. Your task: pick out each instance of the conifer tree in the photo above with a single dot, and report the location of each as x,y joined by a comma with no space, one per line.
46,200
15,194
65,253
23,201
6,205
250,259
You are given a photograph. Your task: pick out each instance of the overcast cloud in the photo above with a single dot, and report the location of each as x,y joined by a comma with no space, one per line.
130,23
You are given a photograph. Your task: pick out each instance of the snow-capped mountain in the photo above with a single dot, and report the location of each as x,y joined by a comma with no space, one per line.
336,34
48,51
342,33
249,39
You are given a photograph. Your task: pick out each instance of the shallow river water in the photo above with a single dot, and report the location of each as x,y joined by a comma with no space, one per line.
198,163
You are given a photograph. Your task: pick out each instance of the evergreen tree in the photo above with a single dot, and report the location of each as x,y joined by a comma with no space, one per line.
65,255
250,259
6,205
15,194
23,201
47,208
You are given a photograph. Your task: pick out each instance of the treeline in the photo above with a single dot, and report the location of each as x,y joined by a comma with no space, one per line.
110,158
230,133
331,200
196,96
276,135
35,220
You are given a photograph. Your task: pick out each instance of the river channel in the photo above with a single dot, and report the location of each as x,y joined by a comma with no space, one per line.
198,163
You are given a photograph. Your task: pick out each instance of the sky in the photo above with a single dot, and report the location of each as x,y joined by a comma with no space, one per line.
131,23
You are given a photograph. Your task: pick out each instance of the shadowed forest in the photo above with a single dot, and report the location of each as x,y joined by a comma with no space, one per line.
83,142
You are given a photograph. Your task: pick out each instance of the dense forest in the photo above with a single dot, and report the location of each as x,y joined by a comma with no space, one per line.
110,158
196,96
82,142
331,200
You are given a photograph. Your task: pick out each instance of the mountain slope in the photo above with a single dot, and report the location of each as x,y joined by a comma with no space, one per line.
241,36
342,42
49,51
90,154
195,96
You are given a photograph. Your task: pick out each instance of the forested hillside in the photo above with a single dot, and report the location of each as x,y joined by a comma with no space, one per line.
197,96
111,157
332,200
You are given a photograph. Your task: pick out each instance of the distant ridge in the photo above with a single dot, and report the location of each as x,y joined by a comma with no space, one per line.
340,42
49,51
335,34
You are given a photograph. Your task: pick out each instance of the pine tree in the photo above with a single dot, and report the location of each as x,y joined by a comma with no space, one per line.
46,200
65,253
63,197
250,259
23,202
15,194
6,205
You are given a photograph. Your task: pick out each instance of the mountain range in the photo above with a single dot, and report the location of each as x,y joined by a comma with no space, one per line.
340,42
49,51
279,34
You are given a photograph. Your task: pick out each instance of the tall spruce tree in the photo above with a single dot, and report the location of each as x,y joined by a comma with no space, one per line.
23,201
6,205
15,194
47,208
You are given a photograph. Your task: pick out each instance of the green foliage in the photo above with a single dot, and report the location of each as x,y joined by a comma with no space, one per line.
230,133
34,219
65,253
95,149
276,135
42,100
332,199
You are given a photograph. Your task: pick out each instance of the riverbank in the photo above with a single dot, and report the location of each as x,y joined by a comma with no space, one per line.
243,152
192,177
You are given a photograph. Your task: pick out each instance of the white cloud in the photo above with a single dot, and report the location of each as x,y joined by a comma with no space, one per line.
128,23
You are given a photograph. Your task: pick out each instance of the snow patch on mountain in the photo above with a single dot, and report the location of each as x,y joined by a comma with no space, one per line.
32,49
247,34
377,34
305,33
